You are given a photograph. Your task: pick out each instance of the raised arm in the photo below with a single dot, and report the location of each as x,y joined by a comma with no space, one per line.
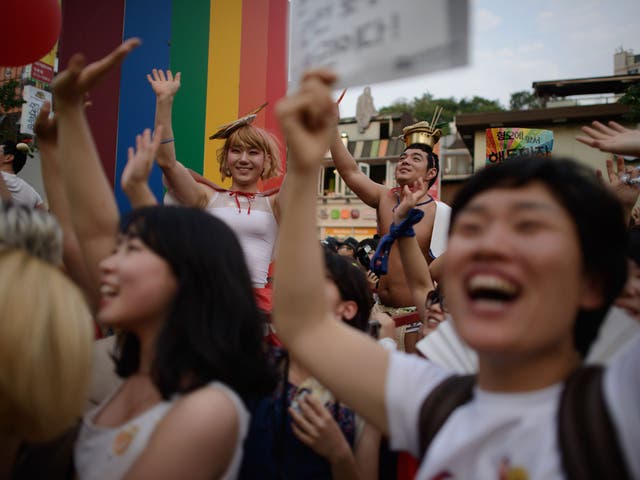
346,361
612,138
135,175
366,189
626,193
94,212
416,269
46,130
182,185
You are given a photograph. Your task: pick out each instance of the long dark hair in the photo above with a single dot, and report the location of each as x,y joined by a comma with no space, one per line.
214,328
352,285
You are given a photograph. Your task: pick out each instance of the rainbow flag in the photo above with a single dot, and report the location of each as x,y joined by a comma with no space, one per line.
232,55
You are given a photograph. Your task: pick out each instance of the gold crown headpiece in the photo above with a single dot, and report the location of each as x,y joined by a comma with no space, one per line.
228,128
424,132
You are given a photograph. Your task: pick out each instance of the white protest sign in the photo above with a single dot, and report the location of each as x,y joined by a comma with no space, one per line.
370,41
34,97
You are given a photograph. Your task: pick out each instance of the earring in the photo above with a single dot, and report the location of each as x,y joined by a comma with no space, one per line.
227,172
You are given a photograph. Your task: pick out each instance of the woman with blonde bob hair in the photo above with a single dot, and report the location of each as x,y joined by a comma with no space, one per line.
249,155
249,136
46,338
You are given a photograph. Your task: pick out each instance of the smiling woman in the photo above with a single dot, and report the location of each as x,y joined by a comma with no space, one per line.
175,284
249,154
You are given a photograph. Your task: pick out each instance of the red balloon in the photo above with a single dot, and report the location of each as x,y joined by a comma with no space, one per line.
30,29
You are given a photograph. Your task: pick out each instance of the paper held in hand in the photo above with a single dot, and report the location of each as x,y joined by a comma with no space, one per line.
370,41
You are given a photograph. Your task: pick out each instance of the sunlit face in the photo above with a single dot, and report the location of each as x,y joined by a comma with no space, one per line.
137,286
514,279
246,164
412,165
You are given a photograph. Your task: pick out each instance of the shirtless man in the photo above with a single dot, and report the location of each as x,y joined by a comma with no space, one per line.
417,161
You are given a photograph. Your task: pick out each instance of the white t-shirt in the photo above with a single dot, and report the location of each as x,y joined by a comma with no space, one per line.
497,433
104,453
21,192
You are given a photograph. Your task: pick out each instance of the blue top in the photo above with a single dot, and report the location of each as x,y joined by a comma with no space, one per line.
272,451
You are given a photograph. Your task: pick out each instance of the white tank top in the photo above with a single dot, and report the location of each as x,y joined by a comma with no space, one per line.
106,453
252,220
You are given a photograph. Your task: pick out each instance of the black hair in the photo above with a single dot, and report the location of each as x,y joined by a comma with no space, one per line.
214,328
352,285
432,159
596,213
634,243
19,157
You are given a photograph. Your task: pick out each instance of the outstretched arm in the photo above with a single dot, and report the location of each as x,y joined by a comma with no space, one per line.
366,189
346,361
135,175
613,138
94,213
416,269
182,185
46,130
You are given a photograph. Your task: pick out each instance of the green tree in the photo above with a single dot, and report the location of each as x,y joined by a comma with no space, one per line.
422,108
9,98
524,100
631,97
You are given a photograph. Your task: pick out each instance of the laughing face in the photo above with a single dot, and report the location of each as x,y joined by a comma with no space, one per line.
514,276
137,286
246,164
412,165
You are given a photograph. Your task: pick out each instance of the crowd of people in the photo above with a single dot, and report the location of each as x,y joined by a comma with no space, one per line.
157,346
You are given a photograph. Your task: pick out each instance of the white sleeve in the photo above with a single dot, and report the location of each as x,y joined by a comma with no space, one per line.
622,396
409,380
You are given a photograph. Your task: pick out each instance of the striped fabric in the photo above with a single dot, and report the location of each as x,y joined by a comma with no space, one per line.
232,55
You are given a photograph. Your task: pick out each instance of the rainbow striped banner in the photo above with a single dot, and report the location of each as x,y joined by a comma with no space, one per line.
506,142
232,55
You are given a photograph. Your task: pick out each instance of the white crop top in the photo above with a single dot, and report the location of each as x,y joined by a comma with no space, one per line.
252,220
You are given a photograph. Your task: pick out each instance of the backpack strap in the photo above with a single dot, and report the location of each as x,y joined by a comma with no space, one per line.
439,404
588,440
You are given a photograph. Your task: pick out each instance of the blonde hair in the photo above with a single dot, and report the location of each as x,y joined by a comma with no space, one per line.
46,341
256,137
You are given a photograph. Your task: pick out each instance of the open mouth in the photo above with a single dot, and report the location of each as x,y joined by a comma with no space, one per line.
108,291
491,288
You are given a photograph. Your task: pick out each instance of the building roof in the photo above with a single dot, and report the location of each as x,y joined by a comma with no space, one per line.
468,124
584,86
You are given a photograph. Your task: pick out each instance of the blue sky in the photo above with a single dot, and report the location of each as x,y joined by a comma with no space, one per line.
514,43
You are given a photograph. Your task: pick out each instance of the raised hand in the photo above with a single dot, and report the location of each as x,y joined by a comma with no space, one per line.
315,427
140,160
69,86
308,119
613,138
627,193
46,127
372,280
164,85
409,197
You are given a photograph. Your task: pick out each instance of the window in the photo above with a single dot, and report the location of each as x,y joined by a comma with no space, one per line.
327,181
378,173
384,130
